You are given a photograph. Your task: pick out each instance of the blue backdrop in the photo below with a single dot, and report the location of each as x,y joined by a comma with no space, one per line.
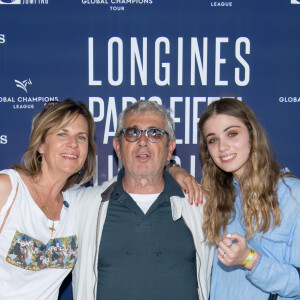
184,54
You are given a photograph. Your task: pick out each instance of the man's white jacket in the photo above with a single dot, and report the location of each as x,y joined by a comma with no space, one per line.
90,217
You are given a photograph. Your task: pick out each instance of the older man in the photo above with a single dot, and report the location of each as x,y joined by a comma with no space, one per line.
145,240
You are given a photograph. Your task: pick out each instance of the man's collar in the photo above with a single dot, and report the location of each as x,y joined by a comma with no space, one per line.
172,191
171,188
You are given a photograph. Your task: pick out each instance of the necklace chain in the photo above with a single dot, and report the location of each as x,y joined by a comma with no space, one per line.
45,208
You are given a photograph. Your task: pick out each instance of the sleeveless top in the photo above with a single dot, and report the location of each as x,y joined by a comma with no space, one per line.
33,265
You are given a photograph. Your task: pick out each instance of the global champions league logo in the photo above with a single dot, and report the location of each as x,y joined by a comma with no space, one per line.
24,102
23,84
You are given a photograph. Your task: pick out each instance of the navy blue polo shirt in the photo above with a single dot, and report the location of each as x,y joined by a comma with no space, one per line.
146,256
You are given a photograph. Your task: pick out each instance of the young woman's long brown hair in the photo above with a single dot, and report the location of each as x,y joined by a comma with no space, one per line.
258,185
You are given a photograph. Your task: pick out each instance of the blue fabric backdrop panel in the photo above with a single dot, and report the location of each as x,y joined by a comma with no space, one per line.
183,54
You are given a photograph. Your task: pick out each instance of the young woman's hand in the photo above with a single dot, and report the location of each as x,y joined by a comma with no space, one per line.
233,249
188,183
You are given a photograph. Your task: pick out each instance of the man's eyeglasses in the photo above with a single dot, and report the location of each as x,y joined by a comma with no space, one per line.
153,134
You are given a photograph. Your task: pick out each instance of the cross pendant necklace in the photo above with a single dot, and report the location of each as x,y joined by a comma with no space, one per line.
52,229
45,208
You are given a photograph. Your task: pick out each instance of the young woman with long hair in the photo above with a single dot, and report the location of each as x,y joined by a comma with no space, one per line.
252,209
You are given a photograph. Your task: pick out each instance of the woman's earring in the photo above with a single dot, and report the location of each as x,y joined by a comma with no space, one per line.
39,159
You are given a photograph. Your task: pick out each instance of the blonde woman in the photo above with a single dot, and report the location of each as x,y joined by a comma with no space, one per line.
252,212
38,241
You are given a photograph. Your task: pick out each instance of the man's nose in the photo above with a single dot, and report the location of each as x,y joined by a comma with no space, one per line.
143,141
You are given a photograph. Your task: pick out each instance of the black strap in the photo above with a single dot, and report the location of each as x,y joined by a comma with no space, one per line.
106,194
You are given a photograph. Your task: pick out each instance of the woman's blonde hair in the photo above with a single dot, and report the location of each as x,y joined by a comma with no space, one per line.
258,184
53,117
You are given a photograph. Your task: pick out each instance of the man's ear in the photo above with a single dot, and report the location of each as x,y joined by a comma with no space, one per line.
117,147
171,148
